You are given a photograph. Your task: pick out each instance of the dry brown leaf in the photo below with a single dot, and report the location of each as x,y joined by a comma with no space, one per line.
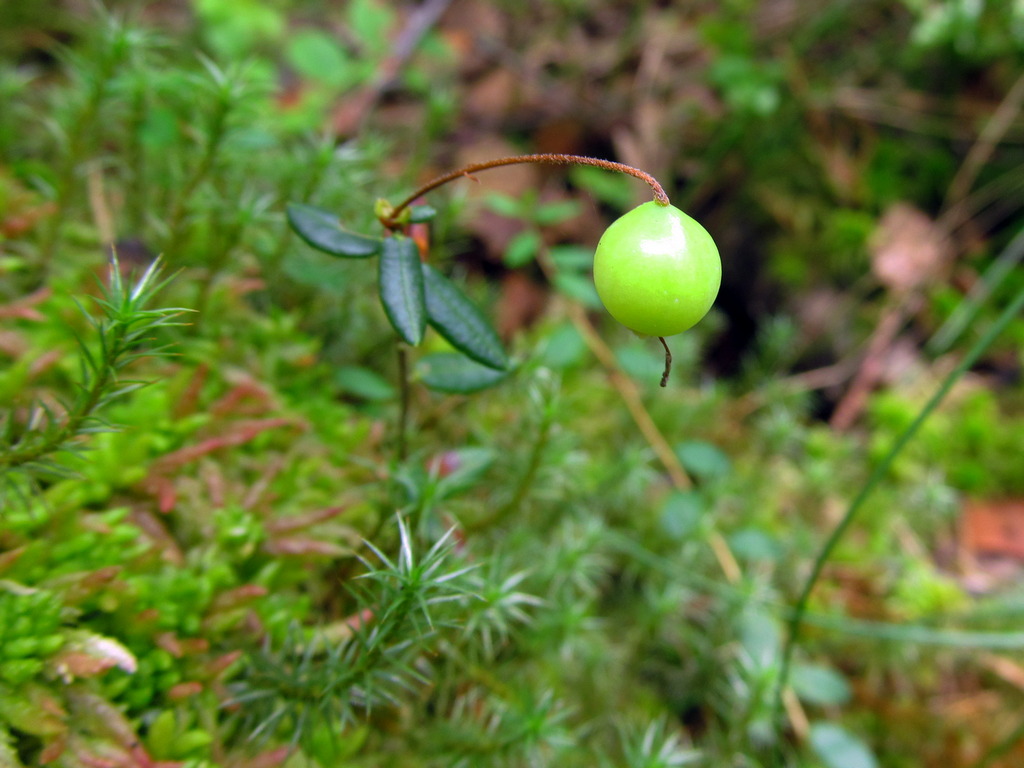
991,527
522,302
908,249
491,98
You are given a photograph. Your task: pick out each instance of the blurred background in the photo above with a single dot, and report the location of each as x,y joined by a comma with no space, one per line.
860,165
853,160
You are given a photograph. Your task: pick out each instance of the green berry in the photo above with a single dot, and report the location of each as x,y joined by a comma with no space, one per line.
656,270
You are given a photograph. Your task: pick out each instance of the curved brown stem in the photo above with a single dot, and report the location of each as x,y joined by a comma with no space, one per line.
547,158
668,361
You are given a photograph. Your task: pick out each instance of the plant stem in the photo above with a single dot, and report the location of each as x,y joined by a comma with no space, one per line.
403,412
796,620
125,319
220,255
525,481
668,362
215,136
660,197
135,155
80,141
28,451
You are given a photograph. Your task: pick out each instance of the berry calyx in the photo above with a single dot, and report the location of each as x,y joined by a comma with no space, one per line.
657,270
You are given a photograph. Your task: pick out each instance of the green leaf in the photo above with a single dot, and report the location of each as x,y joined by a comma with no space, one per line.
455,374
681,514
316,269
572,258
578,287
363,383
192,741
160,737
704,460
401,288
817,684
522,248
8,757
838,748
753,543
553,213
421,213
30,709
370,22
318,56
469,466
505,205
320,229
614,189
456,318
760,636
562,347
639,361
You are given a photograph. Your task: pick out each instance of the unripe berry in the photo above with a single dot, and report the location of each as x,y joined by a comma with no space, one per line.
656,270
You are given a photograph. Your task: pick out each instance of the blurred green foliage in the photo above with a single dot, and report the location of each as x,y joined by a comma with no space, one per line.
232,566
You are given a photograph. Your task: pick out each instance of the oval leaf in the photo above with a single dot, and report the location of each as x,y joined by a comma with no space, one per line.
578,287
457,319
816,684
401,288
456,374
320,229
838,748
704,460
363,383
467,467
419,214
522,248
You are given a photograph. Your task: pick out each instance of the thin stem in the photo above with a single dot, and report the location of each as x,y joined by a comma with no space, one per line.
547,158
796,620
27,452
525,481
215,137
1001,748
136,199
668,362
81,137
403,412
120,334
220,255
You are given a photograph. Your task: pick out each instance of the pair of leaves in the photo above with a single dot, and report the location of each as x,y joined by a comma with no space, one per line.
413,294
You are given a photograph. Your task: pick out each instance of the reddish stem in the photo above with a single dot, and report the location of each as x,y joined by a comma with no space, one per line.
549,159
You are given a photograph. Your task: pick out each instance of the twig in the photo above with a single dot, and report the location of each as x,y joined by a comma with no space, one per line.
630,395
913,111
362,104
870,371
996,127
98,203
